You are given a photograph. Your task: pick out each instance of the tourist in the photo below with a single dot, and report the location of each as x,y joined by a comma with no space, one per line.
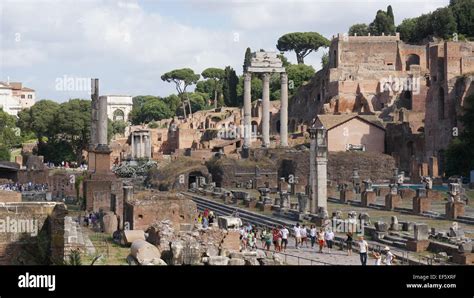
284,237
329,237
349,241
388,256
297,232
199,218
205,223
304,236
211,217
363,249
276,239
312,235
378,258
268,240
251,240
263,237
321,236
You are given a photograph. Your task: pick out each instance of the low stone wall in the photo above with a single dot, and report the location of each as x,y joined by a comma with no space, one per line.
9,196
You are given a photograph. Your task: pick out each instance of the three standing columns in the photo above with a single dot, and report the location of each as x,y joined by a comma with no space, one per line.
266,110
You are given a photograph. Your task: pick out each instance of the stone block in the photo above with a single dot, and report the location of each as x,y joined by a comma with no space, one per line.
218,261
407,226
251,204
392,201
417,246
407,193
145,253
454,209
463,258
236,262
265,207
367,198
421,205
421,232
346,195
381,226
465,247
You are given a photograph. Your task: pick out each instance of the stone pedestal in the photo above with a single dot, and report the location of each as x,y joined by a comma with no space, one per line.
346,195
367,198
392,201
251,204
265,207
421,205
454,209
463,258
417,245
382,191
407,193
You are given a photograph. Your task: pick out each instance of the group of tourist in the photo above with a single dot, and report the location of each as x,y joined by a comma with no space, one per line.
24,187
278,236
323,237
206,218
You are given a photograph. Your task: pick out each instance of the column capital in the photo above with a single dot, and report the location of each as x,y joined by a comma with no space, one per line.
284,77
266,76
247,76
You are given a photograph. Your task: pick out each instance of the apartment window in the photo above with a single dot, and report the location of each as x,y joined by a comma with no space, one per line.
30,96
22,96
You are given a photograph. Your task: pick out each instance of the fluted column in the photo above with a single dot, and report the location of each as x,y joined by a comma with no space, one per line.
247,109
284,110
266,111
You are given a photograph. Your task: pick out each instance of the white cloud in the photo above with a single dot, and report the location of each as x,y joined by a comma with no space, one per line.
129,44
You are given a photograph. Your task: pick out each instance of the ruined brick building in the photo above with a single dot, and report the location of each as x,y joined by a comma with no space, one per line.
417,91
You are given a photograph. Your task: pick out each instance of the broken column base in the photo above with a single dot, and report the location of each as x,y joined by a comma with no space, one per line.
251,204
454,209
421,205
367,198
417,245
463,258
346,195
392,201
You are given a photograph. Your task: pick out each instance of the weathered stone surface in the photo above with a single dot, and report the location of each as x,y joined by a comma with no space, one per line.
381,226
251,261
177,253
128,236
212,251
261,254
109,223
236,255
267,262
144,252
421,232
229,222
236,262
465,247
218,261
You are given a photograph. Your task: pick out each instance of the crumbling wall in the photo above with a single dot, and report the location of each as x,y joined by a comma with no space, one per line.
149,207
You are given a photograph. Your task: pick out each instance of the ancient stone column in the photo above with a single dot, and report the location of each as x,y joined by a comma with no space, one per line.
94,111
134,150
284,110
266,111
127,193
141,147
103,121
312,170
247,109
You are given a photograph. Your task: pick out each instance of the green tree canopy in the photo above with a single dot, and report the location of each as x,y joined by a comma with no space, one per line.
302,43
182,78
40,119
215,77
247,58
359,30
229,87
383,23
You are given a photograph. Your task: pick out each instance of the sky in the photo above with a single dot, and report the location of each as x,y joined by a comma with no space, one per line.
55,46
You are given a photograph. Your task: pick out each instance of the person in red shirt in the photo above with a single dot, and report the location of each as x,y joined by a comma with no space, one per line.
276,239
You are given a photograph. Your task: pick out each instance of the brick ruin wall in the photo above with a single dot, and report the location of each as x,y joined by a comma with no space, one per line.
24,248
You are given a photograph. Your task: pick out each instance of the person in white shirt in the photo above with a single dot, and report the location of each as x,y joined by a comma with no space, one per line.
284,237
329,237
312,235
297,232
378,259
363,249
304,236
388,256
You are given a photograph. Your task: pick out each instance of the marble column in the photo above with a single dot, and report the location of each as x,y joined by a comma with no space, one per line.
284,110
247,109
134,150
103,121
266,111
94,111
141,146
